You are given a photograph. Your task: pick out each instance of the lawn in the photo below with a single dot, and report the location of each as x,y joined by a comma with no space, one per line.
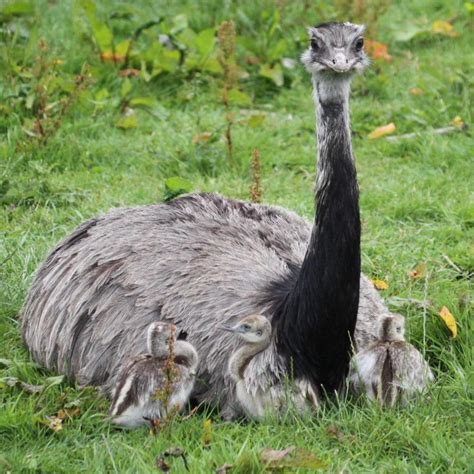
79,136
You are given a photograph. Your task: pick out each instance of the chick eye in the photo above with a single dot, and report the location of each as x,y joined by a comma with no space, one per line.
314,44
359,44
258,333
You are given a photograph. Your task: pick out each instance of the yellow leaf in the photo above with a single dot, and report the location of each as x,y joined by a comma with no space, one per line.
202,137
419,271
207,432
449,320
55,423
380,284
416,91
458,121
382,131
444,28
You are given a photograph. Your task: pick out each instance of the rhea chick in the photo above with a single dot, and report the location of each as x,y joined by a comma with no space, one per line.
390,370
152,385
256,330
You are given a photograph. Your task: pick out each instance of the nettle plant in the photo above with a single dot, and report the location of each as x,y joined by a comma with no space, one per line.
165,45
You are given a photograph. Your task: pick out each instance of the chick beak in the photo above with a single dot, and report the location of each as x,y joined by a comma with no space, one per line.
226,328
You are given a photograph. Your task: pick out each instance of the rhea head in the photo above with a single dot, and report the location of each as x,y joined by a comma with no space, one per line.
336,49
393,328
254,328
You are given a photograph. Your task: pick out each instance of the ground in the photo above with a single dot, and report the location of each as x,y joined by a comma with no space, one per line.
63,159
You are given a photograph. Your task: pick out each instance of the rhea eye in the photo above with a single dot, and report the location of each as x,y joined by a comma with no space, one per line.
359,44
246,327
258,333
399,329
314,44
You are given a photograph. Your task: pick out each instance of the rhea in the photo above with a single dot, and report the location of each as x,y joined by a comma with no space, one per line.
151,386
390,370
203,260
255,331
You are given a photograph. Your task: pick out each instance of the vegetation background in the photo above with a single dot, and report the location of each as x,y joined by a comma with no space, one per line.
116,103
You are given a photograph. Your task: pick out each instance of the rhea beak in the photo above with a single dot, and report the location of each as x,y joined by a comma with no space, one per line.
226,328
340,63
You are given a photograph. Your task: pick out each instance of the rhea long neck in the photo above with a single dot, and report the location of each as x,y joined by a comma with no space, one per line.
242,356
321,310
186,352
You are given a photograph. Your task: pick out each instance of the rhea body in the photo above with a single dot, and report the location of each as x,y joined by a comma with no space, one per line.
256,331
203,260
153,385
390,370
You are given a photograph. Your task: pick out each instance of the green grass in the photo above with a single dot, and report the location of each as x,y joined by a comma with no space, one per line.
417,206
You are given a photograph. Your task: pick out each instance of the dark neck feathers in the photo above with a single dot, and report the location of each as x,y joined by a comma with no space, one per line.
316,320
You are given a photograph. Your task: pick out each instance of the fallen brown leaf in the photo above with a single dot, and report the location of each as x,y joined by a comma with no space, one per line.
202,137
416,91
225,468
54,423
68,413
378,50
26,387
176,452
129,72
382,131
289,458
162,465
335,432
269,455
444,28
418,272
110,56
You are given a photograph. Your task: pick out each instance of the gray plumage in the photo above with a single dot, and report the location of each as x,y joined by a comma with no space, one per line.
255,331
390,370
198,261
153,385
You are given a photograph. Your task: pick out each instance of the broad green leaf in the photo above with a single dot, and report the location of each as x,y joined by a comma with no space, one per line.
256,120
126,87
274,73
148,102
102,33
175,186
127,121
101,94
167,61
278,50
19,8
180,22
239,97
121,49
187,37
408,32
205,41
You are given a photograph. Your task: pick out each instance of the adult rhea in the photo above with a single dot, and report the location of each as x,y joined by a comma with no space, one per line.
203,260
